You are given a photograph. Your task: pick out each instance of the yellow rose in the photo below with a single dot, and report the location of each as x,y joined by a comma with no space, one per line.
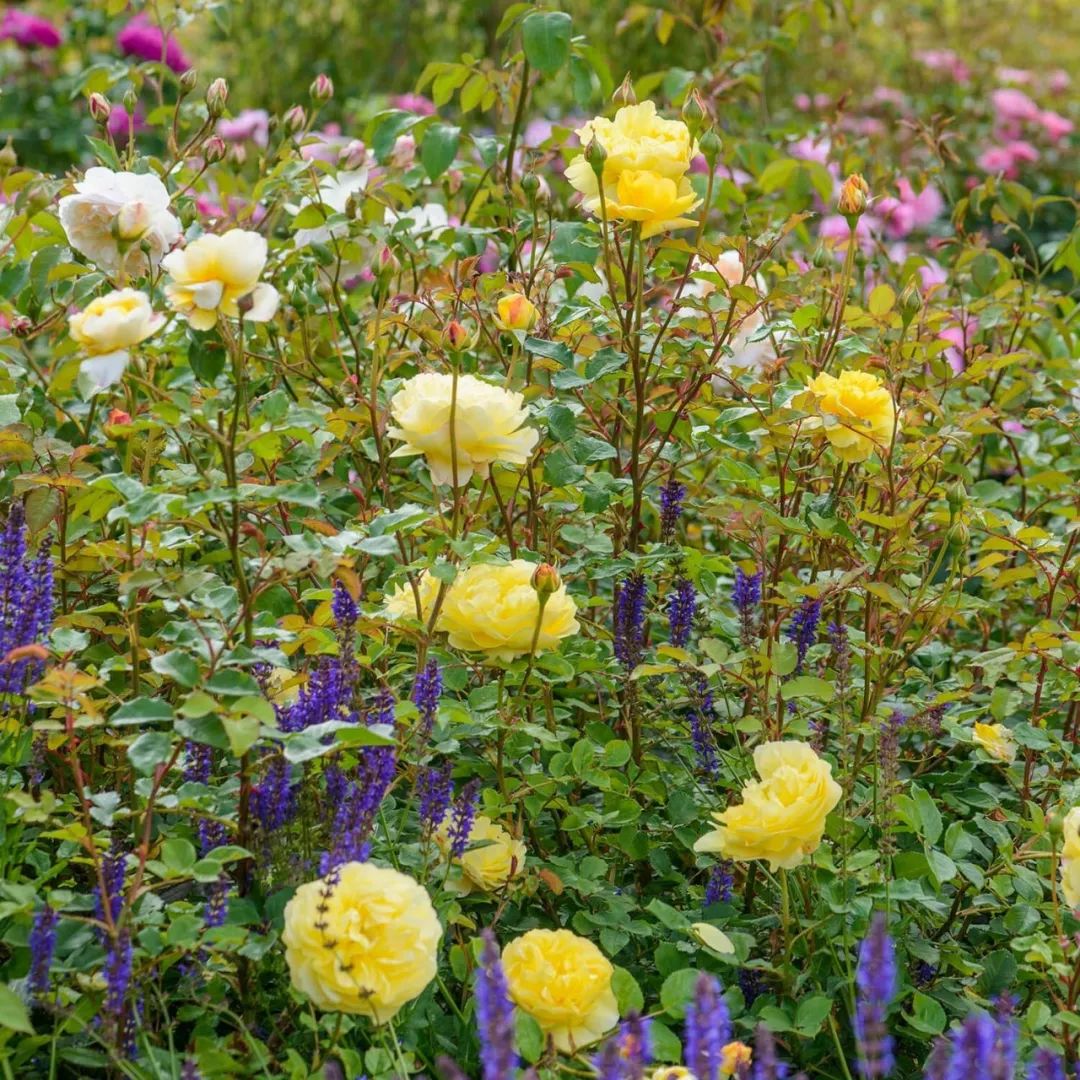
517,312
734,1054
857,413
487,425
401,603
493,609
564,983
644,174
782,816
368,944
996,740
106,328
492,859
213,273
1070,858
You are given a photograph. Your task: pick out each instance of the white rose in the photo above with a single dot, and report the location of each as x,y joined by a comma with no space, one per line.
334,194
106,328
113,216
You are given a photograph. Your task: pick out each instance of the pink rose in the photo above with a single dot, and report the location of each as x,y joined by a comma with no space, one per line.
253,124
142,38
1055,125
28,30
1013,105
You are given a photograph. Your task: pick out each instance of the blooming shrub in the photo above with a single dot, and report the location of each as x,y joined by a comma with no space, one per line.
530,577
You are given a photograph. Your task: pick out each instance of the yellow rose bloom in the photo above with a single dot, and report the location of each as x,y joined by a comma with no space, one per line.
401,603
487,425
1070,858
782,816
493,608
213,273
107,327
564,983
644,176
734,1054
491,860
367,945
996,740
517,312
857,413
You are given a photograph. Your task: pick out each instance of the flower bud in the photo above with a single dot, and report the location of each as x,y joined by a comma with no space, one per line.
959,534
853,196
100,109
22,326
625,94
294,120
322,89
118,416
37,199
8,158
456,336
596,155
546,580
530,184
352,155
956,497
709,144
214,149
188,80
695,113
217,94
516,312
245,303
403,155
131,100
132,221
910,303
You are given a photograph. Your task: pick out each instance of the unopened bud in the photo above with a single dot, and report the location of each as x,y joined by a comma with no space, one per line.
294,120
100,109
188,80
131,100
214,149
695,113
959,534
625,94
8,158
910,303
245,303
530,184
854,195
22,326
709,144
516,312
956,497
322,89
217,94
546,580
596,155
456,336
132,221
37,199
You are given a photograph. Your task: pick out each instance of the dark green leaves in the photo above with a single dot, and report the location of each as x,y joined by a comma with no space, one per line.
545,36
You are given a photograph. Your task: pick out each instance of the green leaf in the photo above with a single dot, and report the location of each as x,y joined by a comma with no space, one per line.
439,148
178,666
545,36
927,1015
142,710
627,992
528,1036
807,686
150,750
929,814
677,991
178,855
13,1012
811,1014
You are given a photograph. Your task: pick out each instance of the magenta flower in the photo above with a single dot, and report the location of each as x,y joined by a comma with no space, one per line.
414,103
142,38
253,124
118,126
29,30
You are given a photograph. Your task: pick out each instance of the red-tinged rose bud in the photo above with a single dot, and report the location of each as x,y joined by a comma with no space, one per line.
322,89
245,303
26,652
546,580
118,416
214,149
456,335
854,195
22,326
100,109
294,120
217,94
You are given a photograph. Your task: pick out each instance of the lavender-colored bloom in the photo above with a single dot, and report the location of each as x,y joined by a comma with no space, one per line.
937,1064
117,972
190,1070
802,630
841,648
253,124
767,1066
930,719
889,748
671,500
113,865
708,1028
461,819
635,1045
746,595
216,908
494,1015
328,695
875,979
273,799
702,738
434,789
427,689
972,1048
1003,1058
198,762
1046,1065
609,1062
682,606
924,974
629,619
343,607
42,946
718,888
143,39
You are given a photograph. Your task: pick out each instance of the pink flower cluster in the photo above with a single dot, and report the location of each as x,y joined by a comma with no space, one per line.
1017,115
29,30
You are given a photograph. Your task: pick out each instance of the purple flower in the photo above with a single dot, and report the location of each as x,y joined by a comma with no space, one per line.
802,630
629,619
751,984
671,500
343,607
718,888
889,748
216,908
494,1015
113,865
190,1070
142,38
841,648
273,798
682,606
937,1064
427,689
875,979
434,789
746,595
702,737
972,1048
29,30
117,972
708,1028
767,1066
328,696
461,819
1046,1065
198,762
609,1062
253,124
1003,1058
42,946
635,1045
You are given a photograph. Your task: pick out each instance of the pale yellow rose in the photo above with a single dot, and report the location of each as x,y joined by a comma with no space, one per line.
401,603
493,608
733,1055
491,860
644,174
996,740
368,944
856,412
1070,858
106,328
517,312
213,273
564,983
782,816
487,424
